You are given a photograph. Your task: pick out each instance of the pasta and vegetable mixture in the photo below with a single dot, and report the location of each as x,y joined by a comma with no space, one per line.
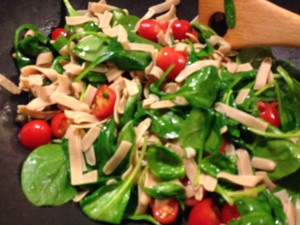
156,118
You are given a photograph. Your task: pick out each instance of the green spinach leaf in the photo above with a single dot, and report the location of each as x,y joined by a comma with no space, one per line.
164,163
201,88
108,204
45,177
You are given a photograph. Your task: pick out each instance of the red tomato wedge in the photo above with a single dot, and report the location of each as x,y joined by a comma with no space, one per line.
180,28
167,56
104,102
34,134
204,212
165,211
228,213
59,125
149,29
57,32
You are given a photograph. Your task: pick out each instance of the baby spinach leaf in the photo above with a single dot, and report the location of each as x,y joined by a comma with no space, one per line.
45,178
215,139
264,209
164,190
135,38
290,183
105,145
237,80
201,88
195,130
217,163
284,153
254,55
204,32
90,47
167,125
108,203
164,163
230,13
131,107
117,14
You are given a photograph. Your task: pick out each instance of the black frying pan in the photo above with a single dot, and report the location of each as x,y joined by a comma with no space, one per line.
48,14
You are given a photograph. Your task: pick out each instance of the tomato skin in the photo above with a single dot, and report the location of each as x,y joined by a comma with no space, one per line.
223,146
180,28
34,134
229,212
165,211
149,29
104,102
204,212
57,32
269,112
168,56
271,115
59,125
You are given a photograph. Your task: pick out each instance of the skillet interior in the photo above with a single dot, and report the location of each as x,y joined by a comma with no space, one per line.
47,14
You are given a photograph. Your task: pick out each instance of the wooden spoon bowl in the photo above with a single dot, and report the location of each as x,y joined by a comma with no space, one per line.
259,23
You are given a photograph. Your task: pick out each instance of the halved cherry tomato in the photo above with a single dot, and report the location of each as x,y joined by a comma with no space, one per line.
168,56
165,26
269,112
58,32
104,102
229,212
149,29
262,105
180,28
271,115
59,125
204,212
165,211
34,134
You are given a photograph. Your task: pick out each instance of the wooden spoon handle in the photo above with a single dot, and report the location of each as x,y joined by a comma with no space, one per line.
258,23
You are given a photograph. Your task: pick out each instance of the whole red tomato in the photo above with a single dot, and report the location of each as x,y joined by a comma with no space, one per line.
34,134
204,212
58,32
59,125
104,102
165,211
149,29
229,212
167,56
180,28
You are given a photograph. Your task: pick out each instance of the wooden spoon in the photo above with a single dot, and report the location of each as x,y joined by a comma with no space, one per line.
259,23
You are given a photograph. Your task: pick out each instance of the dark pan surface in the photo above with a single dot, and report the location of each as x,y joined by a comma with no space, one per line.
48,14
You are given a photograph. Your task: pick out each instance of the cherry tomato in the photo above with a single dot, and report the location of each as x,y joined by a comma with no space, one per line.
59,125
168,56
165,26
165,211
104,102
204,212
191,201
149,29
58,32
271,115
34,134
264,105
180,28
229,212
